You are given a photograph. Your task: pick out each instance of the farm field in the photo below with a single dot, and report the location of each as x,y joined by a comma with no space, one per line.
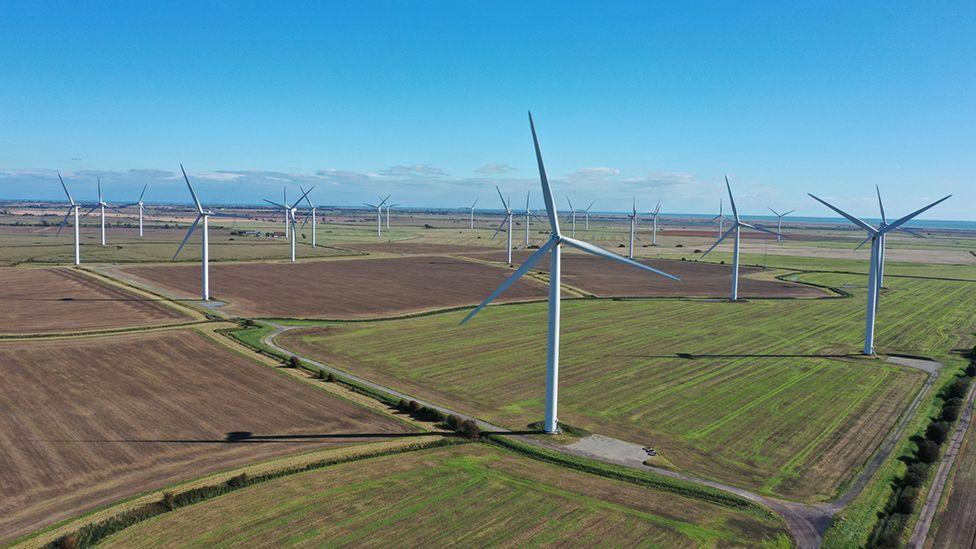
602,278
89,421
67,300
345,289
778,404
957,519
474,494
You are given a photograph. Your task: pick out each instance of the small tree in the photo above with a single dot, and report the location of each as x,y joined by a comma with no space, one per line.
330,377
950,412
413,406
906,501
239,481
168,501
403,405
454,422
958,388
928,451
937,431
470,429
294,362
971,369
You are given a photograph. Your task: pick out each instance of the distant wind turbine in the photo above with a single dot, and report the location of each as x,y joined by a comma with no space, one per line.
553,247
586,213
141,206
507,221
102,205
657,210
633,228
720,218
205,240
72,209
379,214
882,243
388,208
876,236
737,225
290,212
311,213
473,204
779,222
572,213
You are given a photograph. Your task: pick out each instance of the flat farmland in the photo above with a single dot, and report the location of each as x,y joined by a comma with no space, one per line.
767,394
87,422
345,289
604,278
67,300
472,495
957,519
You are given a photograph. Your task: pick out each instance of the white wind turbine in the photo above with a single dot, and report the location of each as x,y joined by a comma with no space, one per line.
720,218
553,247
506,221
876,236
205,241
586,214
779,221
572,213
102,205
473,204
633,228
737,225
311,213
882,242
528,214
290,212
284,201
72,209
655,213
388,208
141,205
379,214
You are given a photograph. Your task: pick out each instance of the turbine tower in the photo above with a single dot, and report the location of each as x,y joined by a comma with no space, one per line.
506,221
102,205
883,239
528,214
586,213
290,212
72,209
572,213
737,225
141,205
779,221
720,218
284,200
876,236
311,213
633,228
472,211
379,214
657,210
388,208
205,240
553,247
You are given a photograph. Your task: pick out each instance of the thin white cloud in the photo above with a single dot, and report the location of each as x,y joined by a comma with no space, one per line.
496,168
416,170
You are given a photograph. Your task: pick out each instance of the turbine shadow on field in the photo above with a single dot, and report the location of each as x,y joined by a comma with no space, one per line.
695,356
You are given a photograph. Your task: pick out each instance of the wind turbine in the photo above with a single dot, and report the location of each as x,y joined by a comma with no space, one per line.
779,221
633,228
72,209
720,218
657,210
586,212
379,214
311,213
205,241
507,220
737,225
528,214
141,207
388,208
883,239
101,204
553,247
876,236
290,213
572,212
472,211
284,201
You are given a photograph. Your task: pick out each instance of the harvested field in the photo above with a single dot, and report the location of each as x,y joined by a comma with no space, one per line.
413,247
605,278
472,495
346,289
66,300
956,521
87,422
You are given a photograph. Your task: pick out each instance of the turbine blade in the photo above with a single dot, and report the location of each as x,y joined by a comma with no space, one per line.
909,231
884,219
384,200
596,250
99,189
188,233
788,213
307,199
63,222
527,200
759,228
546,190
374,206
473,204
590,206
308,214
719,241
501,197
63,186
304,196
774,211
276,204
909,217
863,242
657,209
847,216
192,193
735,212
143,193
529,263
499,227
86,214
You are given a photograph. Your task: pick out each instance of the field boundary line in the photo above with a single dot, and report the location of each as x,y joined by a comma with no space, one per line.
101,333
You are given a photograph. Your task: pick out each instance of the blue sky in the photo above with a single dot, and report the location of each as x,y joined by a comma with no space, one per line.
428,101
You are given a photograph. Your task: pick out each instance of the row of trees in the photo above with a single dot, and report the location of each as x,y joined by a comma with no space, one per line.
466,427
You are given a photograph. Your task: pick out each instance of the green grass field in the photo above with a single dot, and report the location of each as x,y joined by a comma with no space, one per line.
750,393
474,494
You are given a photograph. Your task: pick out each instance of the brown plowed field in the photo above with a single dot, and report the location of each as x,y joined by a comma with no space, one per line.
87,422
605,278
65,300
358,288
418,248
